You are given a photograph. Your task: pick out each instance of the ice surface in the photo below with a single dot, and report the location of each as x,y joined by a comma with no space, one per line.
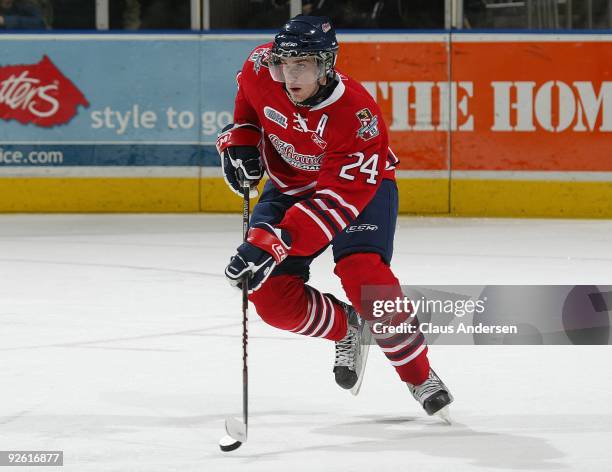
120,344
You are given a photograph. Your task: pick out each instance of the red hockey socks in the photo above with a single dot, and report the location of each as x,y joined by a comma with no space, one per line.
287,303
407,352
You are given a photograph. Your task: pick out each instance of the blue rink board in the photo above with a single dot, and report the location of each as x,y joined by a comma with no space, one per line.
182,74
115,155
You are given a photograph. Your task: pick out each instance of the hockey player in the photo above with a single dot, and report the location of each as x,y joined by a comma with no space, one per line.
322,140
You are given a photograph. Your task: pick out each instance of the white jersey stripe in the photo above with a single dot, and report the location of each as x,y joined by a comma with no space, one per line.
332,212
301,189
316,219
340,200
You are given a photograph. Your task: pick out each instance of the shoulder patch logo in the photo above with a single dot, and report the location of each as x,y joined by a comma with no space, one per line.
259,58
369,124
275,116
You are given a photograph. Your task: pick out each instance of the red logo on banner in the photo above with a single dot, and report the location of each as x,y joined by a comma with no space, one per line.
39,94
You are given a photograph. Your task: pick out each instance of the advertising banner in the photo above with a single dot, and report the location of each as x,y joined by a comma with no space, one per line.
540,114
551,113
116,101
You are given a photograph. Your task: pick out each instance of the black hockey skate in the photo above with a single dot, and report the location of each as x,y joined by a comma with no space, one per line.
433,396
352,350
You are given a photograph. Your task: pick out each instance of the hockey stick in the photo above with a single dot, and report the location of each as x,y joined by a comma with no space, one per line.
236,429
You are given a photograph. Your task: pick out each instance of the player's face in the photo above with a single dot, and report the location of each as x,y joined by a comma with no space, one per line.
301,76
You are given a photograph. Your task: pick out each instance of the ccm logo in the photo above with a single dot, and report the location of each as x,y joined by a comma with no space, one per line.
365,227
280,253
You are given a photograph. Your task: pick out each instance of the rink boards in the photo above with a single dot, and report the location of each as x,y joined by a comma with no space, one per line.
484,124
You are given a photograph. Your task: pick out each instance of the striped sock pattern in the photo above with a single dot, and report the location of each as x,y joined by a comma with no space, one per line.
403,347
287,303
320,316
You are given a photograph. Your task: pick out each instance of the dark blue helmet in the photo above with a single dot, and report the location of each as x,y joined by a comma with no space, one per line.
308,36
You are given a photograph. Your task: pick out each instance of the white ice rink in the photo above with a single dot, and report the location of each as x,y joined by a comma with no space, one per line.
120,345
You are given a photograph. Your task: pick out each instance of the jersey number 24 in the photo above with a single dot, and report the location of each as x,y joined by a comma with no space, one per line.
368,167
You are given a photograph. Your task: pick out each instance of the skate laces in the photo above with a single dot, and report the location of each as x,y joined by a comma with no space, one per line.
346,349
432,385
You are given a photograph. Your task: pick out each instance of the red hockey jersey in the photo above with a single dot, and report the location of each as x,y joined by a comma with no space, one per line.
336,153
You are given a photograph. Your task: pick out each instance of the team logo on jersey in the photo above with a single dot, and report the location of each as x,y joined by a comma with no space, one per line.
276,116
288,153
369,124
260,58
300,123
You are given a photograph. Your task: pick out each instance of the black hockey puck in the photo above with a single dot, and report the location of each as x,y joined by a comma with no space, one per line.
227,444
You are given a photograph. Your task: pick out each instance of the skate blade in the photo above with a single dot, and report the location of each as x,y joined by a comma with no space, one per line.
236,429
365,349
444,415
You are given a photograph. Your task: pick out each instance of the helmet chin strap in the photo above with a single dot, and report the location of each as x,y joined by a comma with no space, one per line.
321,94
